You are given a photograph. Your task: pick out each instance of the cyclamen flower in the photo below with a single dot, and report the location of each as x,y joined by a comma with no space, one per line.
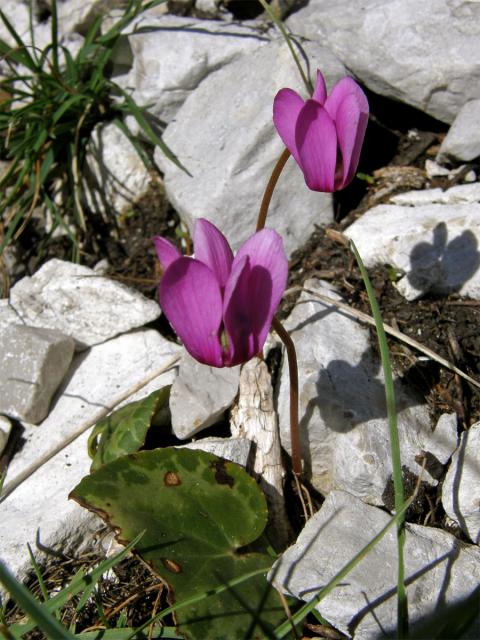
222,307
325,133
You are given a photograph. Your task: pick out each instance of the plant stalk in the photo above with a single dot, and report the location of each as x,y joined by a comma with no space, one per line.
267,196
293,370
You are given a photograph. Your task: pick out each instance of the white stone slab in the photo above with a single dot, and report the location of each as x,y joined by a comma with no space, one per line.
343,419
461,487
224,136
403,49
440,571
437,246
200,396
80,303
97,377
173,55
39,505
462,141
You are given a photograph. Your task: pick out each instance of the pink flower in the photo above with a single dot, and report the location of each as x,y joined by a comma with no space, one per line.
316,130
222,307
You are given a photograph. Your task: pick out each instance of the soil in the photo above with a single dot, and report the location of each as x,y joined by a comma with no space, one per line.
399,140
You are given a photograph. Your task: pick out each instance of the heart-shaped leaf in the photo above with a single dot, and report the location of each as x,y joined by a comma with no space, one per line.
124,430
199,512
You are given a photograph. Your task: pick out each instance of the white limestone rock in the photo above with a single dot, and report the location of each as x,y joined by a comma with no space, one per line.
39,504
438,569
236,450
5,429
443,440
461,487
115,177
75,300
17,13
79,15
224,136
436,246
98,377
343,419
462,141
200,396
33,362
402,49
39,512
459,194
173,55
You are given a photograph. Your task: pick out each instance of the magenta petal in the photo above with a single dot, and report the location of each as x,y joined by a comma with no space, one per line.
345,87
190,298
266,281
166,251
316,140
211,248
320,92
237,317
351,123
286,108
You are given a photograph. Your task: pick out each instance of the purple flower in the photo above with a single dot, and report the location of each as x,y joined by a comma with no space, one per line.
316,130
221,306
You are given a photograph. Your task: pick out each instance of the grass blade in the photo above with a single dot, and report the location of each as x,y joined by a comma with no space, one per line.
80,583
137,113
402,603
22,52
30,605
279,24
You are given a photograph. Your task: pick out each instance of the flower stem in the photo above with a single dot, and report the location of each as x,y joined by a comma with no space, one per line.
267,196
293,370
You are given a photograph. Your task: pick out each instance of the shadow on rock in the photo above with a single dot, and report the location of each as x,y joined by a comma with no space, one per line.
441,266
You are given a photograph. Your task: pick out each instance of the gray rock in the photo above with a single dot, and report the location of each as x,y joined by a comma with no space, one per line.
115,176
440,571
234,449
435,245
200,396
33,362
402,49
462,141
78,302
225,137
98,377
39,505
343,419
461,487
5,429
161,76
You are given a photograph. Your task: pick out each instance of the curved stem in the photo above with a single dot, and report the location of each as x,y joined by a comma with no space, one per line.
267,196
293,370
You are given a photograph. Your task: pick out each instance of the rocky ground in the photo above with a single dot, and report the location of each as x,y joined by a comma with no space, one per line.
414,214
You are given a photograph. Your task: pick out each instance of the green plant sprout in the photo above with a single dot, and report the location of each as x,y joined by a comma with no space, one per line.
50,104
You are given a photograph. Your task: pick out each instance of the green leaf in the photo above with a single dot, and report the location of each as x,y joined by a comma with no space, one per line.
199,512
124,431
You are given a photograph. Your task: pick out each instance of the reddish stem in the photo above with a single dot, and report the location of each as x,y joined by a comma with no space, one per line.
267,196
293,370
